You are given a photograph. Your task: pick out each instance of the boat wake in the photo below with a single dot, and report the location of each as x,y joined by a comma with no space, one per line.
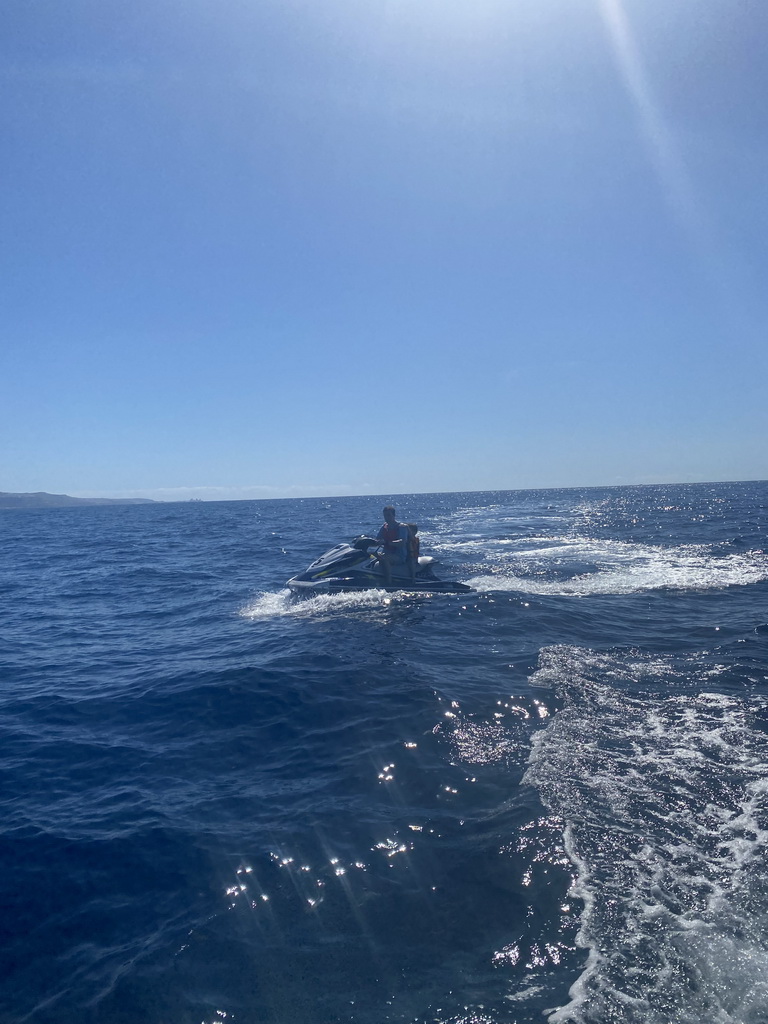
665,804
284,604
580,566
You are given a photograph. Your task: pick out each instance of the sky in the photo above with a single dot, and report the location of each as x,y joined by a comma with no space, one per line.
267,248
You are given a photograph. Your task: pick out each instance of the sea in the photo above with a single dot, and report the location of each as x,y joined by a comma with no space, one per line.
542,801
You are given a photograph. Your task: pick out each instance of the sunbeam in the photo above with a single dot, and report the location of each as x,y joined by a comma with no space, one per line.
722,276
665,156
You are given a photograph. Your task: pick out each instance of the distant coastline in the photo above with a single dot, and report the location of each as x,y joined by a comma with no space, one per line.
41,499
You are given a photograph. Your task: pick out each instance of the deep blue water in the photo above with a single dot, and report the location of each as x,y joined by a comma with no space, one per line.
544,800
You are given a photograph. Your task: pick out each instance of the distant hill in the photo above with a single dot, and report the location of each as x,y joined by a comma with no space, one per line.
41,499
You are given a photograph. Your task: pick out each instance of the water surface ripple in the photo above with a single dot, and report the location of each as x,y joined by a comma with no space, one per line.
543,800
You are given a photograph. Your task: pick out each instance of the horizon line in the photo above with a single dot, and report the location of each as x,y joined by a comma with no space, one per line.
146,493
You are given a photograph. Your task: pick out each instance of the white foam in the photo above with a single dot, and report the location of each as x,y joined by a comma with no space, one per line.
283,604
666,809
544,566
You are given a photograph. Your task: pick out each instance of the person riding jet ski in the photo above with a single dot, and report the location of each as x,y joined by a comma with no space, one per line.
395,538
391,560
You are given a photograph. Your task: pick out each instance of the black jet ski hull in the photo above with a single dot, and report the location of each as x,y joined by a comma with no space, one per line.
307,587
350,567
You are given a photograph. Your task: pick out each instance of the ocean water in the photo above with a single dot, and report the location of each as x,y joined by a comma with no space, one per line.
546,800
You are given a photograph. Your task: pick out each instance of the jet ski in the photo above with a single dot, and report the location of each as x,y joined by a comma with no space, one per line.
353,566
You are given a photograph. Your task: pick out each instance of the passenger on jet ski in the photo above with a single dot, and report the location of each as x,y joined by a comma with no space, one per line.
414,549
395,538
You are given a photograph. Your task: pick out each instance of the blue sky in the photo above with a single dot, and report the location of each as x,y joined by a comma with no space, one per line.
289,248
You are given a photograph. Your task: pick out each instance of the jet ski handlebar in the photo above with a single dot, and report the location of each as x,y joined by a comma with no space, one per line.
363,543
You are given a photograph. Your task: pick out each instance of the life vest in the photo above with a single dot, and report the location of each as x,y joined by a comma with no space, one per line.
390,533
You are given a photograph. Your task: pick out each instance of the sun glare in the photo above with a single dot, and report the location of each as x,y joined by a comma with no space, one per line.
663,151
669,165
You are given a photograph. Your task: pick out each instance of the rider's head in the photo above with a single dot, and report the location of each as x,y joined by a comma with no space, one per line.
389,513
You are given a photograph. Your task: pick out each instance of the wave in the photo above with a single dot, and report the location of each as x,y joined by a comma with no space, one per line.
665,803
